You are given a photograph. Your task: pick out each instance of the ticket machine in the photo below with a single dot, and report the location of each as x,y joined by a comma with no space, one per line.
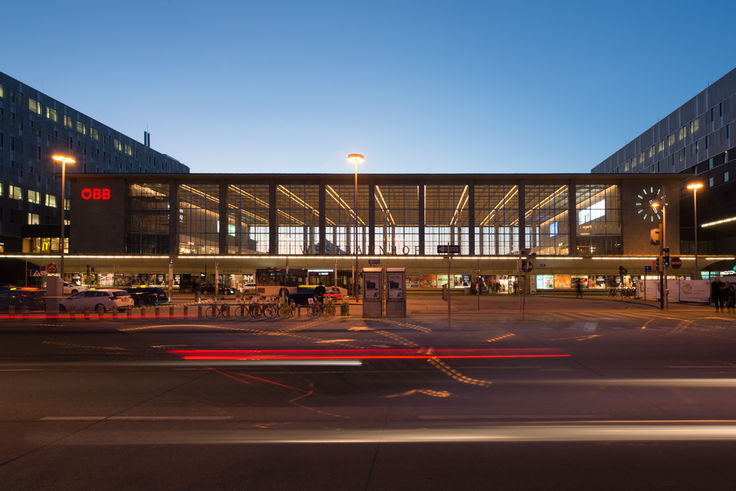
372,292
395,292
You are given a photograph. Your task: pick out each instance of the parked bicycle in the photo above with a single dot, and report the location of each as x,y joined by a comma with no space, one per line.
215,310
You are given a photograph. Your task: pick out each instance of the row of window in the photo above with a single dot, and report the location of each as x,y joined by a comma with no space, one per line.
34,197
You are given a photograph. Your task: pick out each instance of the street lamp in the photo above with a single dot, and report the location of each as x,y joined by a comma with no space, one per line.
355,158
63,160
656,203
694,188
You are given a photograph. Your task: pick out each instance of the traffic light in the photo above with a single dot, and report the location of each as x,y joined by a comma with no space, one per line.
666,256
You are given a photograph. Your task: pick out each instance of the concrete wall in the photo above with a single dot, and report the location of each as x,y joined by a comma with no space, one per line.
99,224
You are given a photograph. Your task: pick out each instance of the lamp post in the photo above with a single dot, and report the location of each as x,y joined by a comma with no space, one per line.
662,246
694,188
63,160
355,158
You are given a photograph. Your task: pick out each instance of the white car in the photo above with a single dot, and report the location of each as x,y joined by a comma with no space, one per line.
336,292
97,300
70,288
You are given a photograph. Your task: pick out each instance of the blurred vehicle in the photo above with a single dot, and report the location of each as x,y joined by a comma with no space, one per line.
209,288
302,295
144,296
336,292
97,300
250,289
22,298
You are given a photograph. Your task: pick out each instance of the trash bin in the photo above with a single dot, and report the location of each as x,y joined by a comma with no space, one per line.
344,308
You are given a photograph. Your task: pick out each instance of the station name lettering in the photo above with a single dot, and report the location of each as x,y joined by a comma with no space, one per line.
95,194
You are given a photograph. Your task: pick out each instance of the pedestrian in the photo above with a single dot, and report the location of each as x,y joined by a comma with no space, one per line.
716,294
578,288
197,287
730,297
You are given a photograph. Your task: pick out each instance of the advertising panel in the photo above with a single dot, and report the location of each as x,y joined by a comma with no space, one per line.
563,281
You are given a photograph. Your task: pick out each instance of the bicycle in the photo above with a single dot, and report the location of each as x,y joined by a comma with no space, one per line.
215,310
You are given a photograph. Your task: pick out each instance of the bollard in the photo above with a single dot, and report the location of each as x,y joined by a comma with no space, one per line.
242,310
114,314
157,311
171,311
24,311
199,311
86,314
129,313
100,314
186,311
143,312
11,309
227,311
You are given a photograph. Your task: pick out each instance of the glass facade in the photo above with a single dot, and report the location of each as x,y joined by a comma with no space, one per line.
408,219
598,221
148,218
247,219
199,219
496,219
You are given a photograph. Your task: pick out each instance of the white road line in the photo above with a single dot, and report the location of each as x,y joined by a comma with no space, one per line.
136,418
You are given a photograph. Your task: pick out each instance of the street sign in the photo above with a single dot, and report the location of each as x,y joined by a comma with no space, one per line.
51,268
675,262
542,265
36,273
526,266
448,249
374,261
647,269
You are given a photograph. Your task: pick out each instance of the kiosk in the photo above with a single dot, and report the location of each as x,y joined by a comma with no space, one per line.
395,292
372,292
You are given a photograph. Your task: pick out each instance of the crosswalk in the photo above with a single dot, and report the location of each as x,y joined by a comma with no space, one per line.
609,315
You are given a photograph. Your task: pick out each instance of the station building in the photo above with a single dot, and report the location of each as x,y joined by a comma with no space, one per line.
129,227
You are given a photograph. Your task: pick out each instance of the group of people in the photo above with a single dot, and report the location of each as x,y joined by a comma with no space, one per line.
492,286
722,294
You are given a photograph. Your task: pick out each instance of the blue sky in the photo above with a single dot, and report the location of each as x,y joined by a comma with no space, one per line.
417,86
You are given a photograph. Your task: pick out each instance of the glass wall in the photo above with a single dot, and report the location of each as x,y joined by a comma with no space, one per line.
397,219
547,225
199,215
598,210
340,219
247,219
446,217
297,217
496,219
148,218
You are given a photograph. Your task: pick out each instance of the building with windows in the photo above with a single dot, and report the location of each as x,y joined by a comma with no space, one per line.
587,225
33,127
696,140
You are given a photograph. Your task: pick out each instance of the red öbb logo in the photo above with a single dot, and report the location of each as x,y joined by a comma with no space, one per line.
95,194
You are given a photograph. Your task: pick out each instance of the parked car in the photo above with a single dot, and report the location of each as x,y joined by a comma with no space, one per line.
22,298
97,300
250,289
147,296
70,288
302,295
209,288
336,292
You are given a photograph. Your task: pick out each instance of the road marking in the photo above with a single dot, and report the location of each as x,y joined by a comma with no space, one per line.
427,392
21,370
327,341
136,418
70,345
499,338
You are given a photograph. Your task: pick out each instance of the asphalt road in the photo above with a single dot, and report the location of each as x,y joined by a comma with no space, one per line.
577,395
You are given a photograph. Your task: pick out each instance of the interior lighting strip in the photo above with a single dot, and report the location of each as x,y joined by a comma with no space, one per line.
718,222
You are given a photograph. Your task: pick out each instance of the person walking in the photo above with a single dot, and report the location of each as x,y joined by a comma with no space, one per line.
578,288
717,294
730,292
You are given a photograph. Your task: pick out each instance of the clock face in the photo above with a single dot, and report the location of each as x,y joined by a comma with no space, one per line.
644,200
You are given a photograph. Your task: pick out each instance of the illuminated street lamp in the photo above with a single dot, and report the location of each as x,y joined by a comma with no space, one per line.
694,188
355,158
63,160
656,203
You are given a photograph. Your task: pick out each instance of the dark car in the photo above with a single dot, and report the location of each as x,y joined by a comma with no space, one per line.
209,289
147,296
22,298
302,295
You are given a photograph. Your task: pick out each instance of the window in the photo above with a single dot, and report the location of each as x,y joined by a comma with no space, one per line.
1,189
34,197
33,219
707,140
682,133
118,146
67,121
15,192
81,128
728,131
34,106
661,146
694,126
128,150
596,210
710,182
51,114
711,114
67,204
651,151
51,201
725,176
720,109
641,158
94,134
710,163
2,92
671,140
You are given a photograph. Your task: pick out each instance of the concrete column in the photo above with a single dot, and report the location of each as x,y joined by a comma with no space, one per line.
522,217
572,217
420,215
223,217
471,219
272,222
372,219
173,217
322,219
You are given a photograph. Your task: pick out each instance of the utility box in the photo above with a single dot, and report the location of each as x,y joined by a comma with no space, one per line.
372,292
395,292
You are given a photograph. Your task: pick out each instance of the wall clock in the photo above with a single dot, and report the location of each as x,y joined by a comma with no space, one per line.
643,205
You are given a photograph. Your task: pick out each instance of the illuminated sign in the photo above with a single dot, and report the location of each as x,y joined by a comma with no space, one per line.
96,194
